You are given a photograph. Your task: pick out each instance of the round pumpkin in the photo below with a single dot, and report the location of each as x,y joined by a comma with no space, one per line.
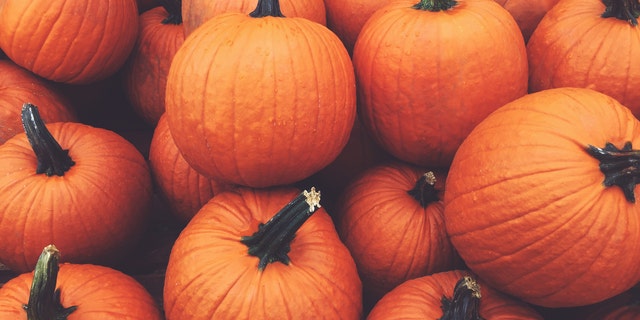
455,294
75,291
269,253
591,45
240,103
346,17
72,41
527,13
540,199
428,72
86,188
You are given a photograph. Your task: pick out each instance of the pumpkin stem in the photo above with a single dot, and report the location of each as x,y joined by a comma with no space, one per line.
464,305
52,159
174,8
435,5
424,191
267,8
626,10
621,167
44,299
272,241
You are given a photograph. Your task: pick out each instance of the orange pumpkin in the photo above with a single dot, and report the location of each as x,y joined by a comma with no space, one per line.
448,295
527,13
423,74
75,291
86,188
240,103
540,198
346,17
589,45
72,41
258,254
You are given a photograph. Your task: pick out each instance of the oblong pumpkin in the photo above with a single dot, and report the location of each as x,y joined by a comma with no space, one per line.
527,207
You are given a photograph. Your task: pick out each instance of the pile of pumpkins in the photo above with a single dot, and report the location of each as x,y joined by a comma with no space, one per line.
325,159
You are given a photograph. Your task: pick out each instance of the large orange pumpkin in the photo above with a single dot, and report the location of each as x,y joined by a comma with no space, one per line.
428,72
540,198
258,254
260,99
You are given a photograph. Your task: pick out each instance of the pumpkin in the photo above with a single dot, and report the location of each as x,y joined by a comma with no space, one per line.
455,294
422,74
17,86
527,13
86,188
346,17
73,41
269,253
75,291
391,219
145,73
184,190
540,198
591,45
197,12
260,100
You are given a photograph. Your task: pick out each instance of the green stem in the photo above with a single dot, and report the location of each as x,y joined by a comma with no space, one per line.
435,5
52,159
625,10
465,303
621,167
424,191
44,299
174,8
272,241
267,8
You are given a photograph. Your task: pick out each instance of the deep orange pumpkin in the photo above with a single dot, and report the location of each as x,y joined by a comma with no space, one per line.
527,13
238,259
72,41
18,86
428,72
346,17
85,291
540,198
575,45
391,219
86,188
424,298
260,101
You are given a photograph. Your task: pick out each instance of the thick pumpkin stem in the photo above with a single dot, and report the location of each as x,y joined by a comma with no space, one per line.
174,8
621,167
52,159
267,8
435,5
464,305
424,191
272,241
44,299
626,10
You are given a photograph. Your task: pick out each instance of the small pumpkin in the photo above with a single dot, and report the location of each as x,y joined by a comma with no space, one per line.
540,199
86,188
75,291
346,17
258,254
527,13
450,295
72,41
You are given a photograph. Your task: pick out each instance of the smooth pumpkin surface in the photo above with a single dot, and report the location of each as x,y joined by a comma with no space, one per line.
527,13
346,17
526,206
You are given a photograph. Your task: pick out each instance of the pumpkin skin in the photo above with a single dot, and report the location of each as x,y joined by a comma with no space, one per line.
390,234
257,120
72,41
526,207
566,50
346,17
210,274
99,292
527,13
197,12
95,211
18,86
145,73
422,86
184,189
420,298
